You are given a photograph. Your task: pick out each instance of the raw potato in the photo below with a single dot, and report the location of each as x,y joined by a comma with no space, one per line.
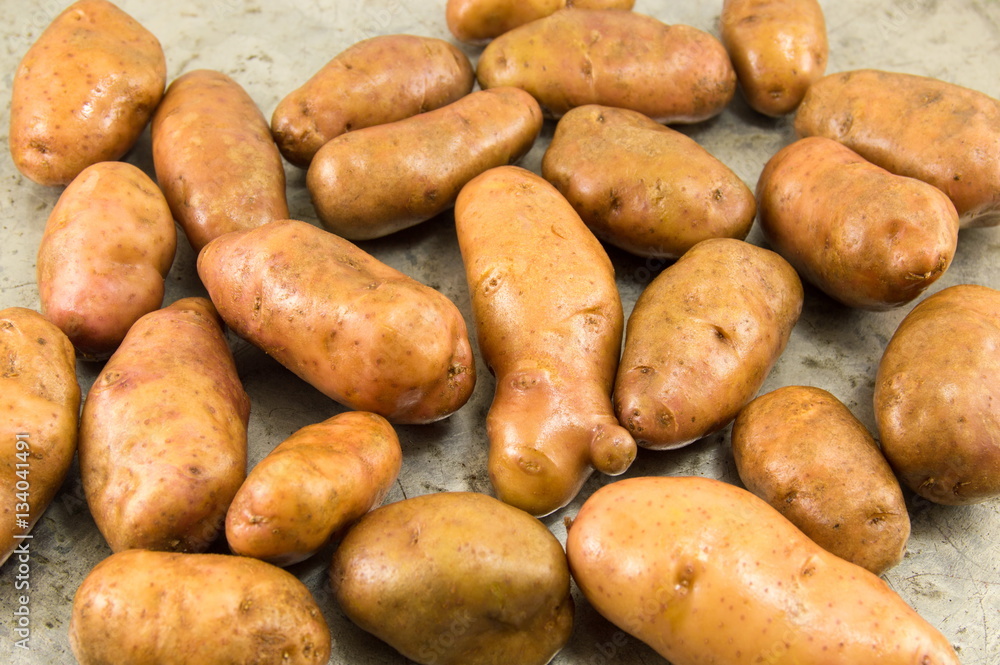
937,396
163,435
644,187
357,330
92,57
215,159
801,450
931,130
479,21
107,247
376,181
456,578
671,73
140,607
705,572
701,339
38,423
549,319
866,237
377,80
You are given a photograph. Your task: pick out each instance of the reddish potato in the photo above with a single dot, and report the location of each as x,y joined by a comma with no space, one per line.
478,21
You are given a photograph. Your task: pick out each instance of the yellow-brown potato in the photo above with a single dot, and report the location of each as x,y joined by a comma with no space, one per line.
456,578
937,396
379,180
705,572
377,80
864,236
140,607
931,130
644,187
801,450
701,339
108,244
163,434
83,92
478,21
671,73
357,330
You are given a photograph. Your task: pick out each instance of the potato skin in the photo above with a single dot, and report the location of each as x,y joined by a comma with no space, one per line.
801,450
163,434
671,73
864,236
644,187
937,398
165,608
359,331
479,21
389,77
313,484
701,339
92,56
705,572
376,181
456,578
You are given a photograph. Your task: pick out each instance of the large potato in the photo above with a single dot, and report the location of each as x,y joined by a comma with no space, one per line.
937,396
478,21
83,92
705,572
456,578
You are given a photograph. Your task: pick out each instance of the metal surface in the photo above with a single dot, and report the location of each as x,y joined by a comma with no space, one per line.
951,573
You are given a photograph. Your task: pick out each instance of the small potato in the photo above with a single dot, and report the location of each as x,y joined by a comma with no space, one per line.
479,21
671,73
83,92
801,450
378,80
107,247
701,339
643,187
379,180
864,236
937,396
456,578
705,572
140,607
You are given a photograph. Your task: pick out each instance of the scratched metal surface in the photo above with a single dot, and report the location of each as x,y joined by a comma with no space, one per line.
951,573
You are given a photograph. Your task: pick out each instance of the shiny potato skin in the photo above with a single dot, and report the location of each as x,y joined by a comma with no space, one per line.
479,21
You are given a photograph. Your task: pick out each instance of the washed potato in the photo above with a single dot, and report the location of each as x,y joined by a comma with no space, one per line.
478,21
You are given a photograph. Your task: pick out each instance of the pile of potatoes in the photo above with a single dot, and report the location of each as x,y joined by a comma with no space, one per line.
865,208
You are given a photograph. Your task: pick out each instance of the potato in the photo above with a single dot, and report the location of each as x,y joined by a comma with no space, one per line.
701,339
456,578
163,434
479,21
140,607
549,319
107,247
643,187
356,329
705,572
375,81
864,236
38,422
937,397
778,48
801,450
574,57
316,482
84,92
215,159
931,130
376,181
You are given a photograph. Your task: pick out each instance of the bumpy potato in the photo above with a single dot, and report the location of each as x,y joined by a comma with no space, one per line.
478,21
83,92
456,578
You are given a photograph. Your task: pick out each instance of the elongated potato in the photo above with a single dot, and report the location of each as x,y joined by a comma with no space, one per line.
356,329
478,21
375,181
163,434
705,572
549,320
701,339
83,92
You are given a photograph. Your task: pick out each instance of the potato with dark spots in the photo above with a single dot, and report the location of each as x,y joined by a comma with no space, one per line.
479,21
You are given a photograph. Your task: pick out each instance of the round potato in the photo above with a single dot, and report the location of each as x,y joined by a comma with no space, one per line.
479,21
